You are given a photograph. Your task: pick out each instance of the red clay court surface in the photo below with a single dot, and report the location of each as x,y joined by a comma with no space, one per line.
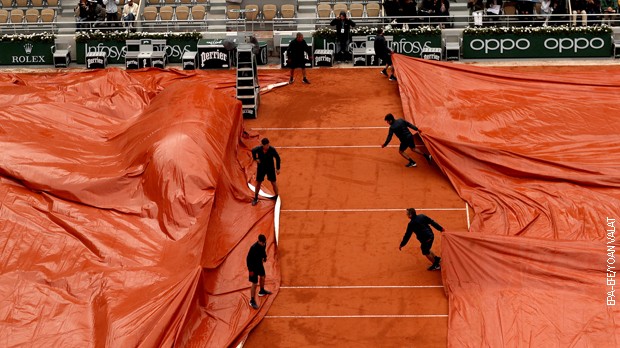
344,281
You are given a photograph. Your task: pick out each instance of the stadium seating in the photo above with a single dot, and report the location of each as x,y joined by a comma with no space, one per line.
149,13
198,12
357,10
287,11
166,13
48,15
32,15
340,7
373,9
17,16
269,12
323,10
182,12
252,12
4,16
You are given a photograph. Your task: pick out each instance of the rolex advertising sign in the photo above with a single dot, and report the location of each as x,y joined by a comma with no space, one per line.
26,53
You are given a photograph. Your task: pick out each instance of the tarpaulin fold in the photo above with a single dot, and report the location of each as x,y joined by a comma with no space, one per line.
535,152
124,210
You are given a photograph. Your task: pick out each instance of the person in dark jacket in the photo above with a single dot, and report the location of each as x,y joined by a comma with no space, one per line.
400,128
256,256
264,155
384,53
343,34
296,56
419,224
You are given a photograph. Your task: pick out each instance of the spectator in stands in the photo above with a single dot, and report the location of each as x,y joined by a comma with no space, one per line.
442,10
559,8
410,10
546,10
384,53
130,13
494,9
296,56
593,9
420,225
427,9
111,10
579,8
81,14
343,34
609,9
525,9
476,9
392,9
96,14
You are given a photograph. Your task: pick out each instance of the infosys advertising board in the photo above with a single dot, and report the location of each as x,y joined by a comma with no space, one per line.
537,46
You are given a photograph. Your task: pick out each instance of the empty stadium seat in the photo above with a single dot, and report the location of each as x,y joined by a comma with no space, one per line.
32,15
48,15
21,3
4,16
252,12
53,3
232,11
373,9
198,12
6,4
153,2
149,13
339,7
287,11
323,10
186,2
17,16
357,10
182,13
37,3
269,12
166,13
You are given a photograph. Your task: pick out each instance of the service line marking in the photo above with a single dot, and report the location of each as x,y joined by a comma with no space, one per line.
317,128
467,209
356,316
362,287
365,210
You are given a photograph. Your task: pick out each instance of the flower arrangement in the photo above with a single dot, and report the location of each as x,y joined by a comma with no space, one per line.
98,35
561,29
40,37
329,33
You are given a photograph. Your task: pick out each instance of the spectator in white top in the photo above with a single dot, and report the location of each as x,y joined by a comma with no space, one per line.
130,13
111,10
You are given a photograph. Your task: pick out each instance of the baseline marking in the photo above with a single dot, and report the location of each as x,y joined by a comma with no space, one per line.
365,210
317,128
363,287
356,316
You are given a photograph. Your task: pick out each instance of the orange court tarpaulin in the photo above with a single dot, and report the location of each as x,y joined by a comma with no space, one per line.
535,152
124,210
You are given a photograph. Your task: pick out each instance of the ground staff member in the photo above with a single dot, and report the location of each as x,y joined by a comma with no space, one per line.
400,128
419,224
296,57
384,53
264,155
256,256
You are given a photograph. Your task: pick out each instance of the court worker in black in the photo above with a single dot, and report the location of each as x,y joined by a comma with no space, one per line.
419,224
256,256
264,155
400,128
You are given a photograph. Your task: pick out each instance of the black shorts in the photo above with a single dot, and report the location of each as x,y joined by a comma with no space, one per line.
387,59
408,142
258,272
427,244
261,172
297,64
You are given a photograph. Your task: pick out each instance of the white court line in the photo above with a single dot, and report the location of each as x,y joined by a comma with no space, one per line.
363,287
467,209
365,210
318,128
356,316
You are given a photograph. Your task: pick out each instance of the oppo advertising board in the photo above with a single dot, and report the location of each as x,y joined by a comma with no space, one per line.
574,45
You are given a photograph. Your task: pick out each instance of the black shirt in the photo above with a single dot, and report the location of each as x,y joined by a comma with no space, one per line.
399,127
419,225
296,50
343,27
381,48
266,158
255,257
